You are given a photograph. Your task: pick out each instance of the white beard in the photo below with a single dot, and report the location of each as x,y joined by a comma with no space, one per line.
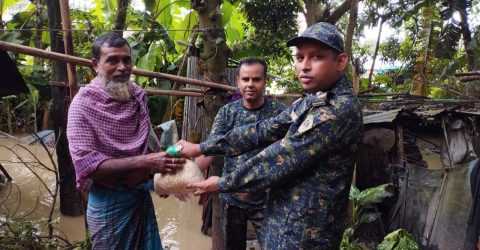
118,90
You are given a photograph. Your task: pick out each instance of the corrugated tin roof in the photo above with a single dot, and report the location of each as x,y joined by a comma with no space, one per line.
383,117
390,115
429,112
468,112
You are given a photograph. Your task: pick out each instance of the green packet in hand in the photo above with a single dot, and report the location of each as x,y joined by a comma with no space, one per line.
174,150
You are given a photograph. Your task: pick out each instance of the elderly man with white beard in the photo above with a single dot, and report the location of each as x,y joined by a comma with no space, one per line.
108,129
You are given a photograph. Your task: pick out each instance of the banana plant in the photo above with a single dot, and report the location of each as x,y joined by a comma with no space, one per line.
5,6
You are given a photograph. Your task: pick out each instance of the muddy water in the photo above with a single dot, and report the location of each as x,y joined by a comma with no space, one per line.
430,153
179,222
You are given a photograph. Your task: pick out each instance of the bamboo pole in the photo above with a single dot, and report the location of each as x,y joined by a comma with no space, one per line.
68,43
151,91
471,73
425,101
192,90
85,62
469,78
140,72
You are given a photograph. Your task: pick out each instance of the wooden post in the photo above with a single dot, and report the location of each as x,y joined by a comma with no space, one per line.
8,107
400,144
196,128
7,100
213,57
70,201
68,43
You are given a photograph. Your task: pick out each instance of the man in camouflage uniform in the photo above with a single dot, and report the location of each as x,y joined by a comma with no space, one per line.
309,160
238,208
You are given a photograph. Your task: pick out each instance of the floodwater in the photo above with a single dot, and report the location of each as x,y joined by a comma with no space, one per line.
179,222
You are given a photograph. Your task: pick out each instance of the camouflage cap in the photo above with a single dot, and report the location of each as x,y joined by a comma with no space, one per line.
325,33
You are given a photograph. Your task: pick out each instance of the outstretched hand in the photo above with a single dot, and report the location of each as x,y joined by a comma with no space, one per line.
207,186
162,163
190,150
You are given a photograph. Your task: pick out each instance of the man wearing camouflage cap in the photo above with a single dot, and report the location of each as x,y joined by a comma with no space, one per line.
309,160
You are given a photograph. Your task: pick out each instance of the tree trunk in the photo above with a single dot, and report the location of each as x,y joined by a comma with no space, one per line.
419,81
321,11
37,40
375,53
213,62
467,40
313,11
70,202
352,24
472,89
121,15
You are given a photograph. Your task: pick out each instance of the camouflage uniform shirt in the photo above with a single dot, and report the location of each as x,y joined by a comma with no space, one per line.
307,164
234,115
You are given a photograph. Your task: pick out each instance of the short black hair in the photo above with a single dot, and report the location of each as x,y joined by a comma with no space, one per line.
111,39
250,61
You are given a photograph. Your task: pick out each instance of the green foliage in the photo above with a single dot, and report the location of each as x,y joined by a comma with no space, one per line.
20,20
105,10
365,199
398,240
274,22
443,42
150,60
362,200
163,13
157,106
347,242
370,196
252,32
282,67
33,95
235,23
5,5
362,213
184,26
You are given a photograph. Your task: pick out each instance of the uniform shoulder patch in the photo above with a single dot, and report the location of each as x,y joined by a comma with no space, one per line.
307,124
297,101
316,116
